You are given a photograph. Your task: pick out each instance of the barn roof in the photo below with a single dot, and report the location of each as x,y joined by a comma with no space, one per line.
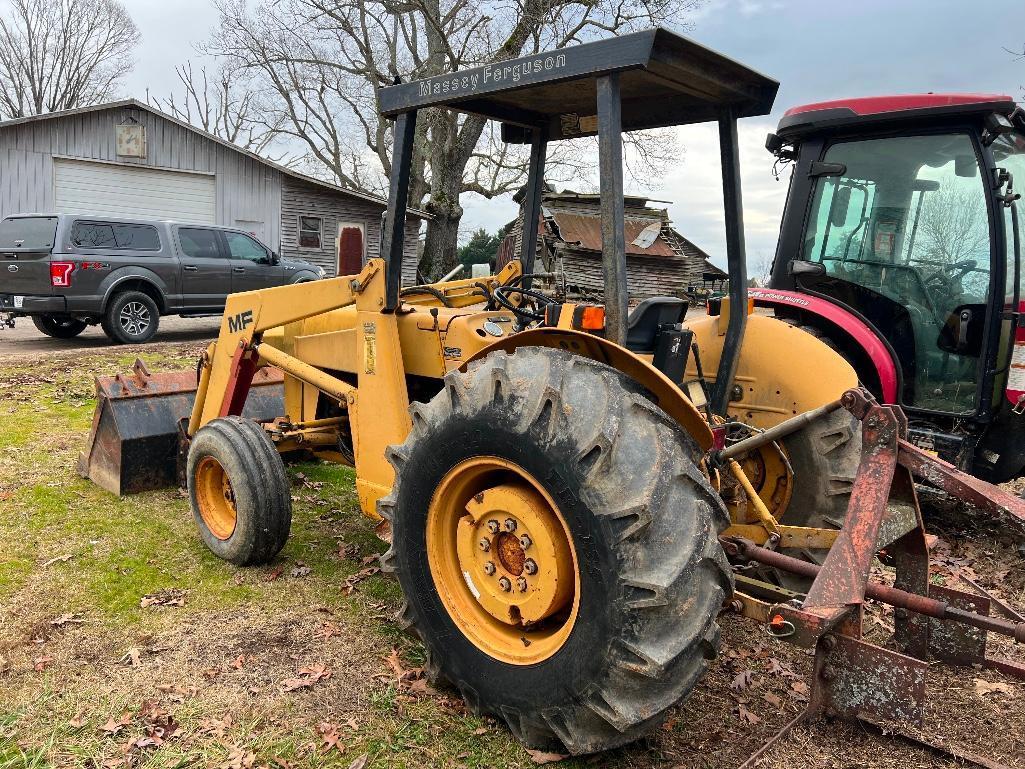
136,104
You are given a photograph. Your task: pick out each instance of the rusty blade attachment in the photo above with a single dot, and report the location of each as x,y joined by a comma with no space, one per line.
133,443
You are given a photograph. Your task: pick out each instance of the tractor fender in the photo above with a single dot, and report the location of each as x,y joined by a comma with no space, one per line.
843,326
668,395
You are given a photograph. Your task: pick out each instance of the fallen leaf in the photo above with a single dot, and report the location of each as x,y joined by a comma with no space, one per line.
541,758
239,759
131,658
112,727
167,597
67,619
741,681
982,688
395,663
360,762
772,699
329,737
480,731
307,678
79,720
747,716
800,690
301,570
277,572
39,664
240,661
349,585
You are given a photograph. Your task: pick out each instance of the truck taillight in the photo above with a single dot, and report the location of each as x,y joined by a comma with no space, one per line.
60,273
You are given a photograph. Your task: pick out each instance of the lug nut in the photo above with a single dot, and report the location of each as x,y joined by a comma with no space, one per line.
489,568
521,583
529,566
525,542
493,526
505,584
485,544
510,524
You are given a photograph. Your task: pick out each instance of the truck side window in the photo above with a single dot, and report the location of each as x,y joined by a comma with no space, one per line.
199,243
244,247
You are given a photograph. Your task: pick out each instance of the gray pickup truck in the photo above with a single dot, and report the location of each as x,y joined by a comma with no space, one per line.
67,272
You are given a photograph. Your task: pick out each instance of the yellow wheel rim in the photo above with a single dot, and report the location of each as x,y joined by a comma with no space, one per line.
216,498
503,560
769,475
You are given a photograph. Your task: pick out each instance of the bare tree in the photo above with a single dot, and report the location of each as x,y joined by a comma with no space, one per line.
59,54
223,105
322,61
954,226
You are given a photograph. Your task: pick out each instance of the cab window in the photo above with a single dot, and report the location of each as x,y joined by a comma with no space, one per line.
1009,154
905,223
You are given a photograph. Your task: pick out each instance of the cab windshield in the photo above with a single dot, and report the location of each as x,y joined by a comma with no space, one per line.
1009,154
902,230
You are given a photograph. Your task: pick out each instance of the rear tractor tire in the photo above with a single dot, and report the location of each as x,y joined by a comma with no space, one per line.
59,326
557,547
239,491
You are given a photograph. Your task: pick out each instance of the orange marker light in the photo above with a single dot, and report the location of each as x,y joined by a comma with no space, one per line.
592,318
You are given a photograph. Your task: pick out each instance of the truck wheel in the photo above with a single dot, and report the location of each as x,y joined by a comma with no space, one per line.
557,547
239,491
59,326
132,317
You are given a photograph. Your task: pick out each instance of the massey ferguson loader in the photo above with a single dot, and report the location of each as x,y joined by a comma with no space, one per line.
568,489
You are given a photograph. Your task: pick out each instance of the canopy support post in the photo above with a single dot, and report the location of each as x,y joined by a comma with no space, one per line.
613,236
736,258
393,235
532,202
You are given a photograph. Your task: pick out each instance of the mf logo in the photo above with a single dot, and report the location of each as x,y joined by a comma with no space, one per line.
239,322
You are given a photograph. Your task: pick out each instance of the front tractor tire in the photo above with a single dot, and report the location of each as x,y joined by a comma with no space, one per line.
239,491
557,547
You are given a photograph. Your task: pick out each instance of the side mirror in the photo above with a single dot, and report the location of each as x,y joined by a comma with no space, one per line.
841,205
801,267
274,258
962,332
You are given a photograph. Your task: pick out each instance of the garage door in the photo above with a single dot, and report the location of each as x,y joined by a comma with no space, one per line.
142,193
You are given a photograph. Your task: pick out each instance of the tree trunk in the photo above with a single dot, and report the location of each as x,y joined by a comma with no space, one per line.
441,242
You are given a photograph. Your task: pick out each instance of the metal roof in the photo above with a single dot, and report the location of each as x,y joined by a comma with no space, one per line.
135,103
665,79
584,231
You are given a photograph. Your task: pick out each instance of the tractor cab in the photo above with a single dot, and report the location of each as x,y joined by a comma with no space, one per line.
902,214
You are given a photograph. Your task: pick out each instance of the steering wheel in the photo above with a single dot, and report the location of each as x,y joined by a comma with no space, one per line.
951,273
501,295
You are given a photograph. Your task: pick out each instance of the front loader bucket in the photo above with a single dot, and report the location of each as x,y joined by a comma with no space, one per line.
133,443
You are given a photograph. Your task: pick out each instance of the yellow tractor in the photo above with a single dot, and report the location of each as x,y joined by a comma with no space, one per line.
554,478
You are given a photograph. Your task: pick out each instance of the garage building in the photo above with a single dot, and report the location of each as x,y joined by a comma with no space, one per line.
127,158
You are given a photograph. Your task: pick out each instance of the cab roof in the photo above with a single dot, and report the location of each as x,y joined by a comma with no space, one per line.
666,79
840,112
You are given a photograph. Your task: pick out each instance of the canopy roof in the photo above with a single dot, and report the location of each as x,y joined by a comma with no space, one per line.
665,80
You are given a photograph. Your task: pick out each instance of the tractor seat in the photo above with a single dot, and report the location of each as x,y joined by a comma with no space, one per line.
643,325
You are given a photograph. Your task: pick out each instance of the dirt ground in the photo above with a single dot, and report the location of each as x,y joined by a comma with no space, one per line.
25,339
124,642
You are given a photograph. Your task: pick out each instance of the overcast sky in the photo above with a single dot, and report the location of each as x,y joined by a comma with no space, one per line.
818,50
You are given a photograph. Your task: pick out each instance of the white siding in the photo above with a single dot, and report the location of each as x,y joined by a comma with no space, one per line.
118,190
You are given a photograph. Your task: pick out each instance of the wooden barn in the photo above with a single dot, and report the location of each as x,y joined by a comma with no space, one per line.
659,260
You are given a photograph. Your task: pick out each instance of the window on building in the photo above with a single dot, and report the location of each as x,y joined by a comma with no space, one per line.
311,232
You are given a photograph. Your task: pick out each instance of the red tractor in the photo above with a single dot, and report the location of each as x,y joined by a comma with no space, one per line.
901,246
